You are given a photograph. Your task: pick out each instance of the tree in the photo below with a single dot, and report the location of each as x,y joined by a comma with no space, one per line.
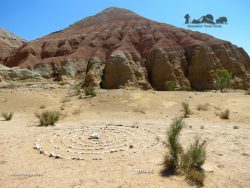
223,79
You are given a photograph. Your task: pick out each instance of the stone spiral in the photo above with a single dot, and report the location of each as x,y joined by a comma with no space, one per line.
114,141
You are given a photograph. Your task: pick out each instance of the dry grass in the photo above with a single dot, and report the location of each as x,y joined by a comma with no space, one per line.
186,109
202,107
225,114
48,117
236,127
139,110
77,111
42,106
196,176
90,91
7,116
65,99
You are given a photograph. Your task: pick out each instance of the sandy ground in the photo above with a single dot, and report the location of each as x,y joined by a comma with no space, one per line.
228,149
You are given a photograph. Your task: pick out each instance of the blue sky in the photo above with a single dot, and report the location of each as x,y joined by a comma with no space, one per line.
32,19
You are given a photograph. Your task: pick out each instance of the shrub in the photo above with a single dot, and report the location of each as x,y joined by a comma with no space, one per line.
197,176
7,116
172,160
169,85
186,109
202,107
77,89
247,92
195,156
223,79
225,114
192,161
189,162
90,90
48,118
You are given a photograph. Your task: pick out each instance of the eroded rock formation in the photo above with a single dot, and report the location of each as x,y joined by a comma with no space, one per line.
118,48
8,42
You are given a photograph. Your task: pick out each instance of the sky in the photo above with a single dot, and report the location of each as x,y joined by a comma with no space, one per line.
31,19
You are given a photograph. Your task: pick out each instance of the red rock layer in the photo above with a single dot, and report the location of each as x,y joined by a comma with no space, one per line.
118,48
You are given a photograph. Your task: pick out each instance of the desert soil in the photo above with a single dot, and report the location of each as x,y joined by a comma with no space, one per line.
228,144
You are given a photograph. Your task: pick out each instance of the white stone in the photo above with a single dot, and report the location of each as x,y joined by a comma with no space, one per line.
94,136
37,146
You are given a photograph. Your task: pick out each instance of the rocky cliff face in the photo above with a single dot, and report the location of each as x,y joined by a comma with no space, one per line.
118,48
8,42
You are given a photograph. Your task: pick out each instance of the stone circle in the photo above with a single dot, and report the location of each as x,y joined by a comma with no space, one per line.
96,142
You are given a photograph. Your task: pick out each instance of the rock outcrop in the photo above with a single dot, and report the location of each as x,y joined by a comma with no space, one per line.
118,48
122,71
8,42
17,73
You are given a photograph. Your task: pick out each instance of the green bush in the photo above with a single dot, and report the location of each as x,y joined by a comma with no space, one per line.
7,116
225,114
189,162
175,149
169,85
48,117
223,79
195,156
90,90
186,109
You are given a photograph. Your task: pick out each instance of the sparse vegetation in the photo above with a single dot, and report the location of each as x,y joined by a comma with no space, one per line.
225,114
247,92
65,99
42,106
195,156
7,116
186,109
76,111
202,107
189,162
81,96
236,127
90,90
175,149
169,85
11,85
139,110
196,176
77,89
223,80
48,117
